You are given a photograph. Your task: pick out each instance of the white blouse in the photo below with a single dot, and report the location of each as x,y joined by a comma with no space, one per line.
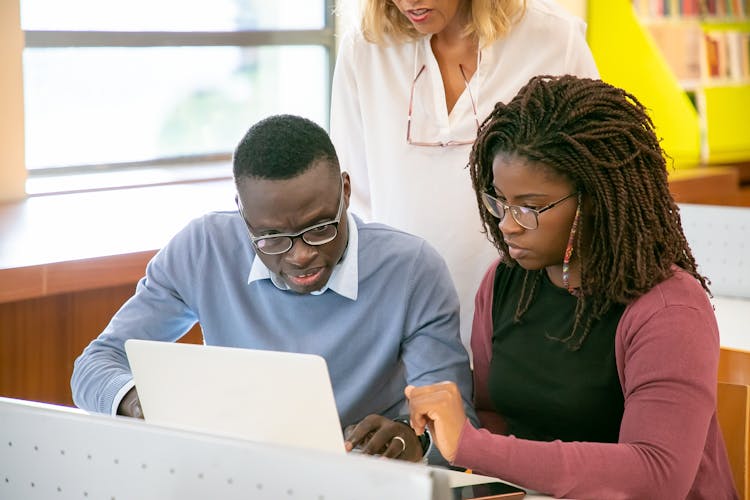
426,190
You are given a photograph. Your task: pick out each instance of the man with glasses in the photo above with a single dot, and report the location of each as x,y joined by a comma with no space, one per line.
292,270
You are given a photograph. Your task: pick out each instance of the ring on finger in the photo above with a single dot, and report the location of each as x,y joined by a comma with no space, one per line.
403,443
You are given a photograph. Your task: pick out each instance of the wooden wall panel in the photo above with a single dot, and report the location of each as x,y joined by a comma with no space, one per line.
41,338
690,185
21,282
89,274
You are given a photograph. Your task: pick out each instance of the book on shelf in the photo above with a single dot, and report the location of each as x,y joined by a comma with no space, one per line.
680,43
691,70
709,57
723,8
734,55
692,8
696,53
725,55
704,42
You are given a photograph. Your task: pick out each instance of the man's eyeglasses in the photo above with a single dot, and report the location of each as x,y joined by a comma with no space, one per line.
451,142
526,217
316,235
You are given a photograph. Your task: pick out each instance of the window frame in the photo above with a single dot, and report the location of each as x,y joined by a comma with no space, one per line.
36,39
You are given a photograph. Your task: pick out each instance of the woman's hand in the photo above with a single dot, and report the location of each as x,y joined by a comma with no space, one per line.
378,435
440,408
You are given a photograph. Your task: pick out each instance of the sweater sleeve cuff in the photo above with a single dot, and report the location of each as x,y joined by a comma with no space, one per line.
466,443
121,394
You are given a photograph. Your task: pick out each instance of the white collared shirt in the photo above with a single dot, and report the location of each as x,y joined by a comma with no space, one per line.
344,279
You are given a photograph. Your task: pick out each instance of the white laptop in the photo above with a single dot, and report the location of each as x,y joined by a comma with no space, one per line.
265,396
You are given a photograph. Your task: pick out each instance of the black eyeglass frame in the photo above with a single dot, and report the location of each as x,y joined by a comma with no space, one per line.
299,234
491,203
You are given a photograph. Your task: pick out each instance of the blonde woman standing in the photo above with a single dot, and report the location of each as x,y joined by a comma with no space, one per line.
410,87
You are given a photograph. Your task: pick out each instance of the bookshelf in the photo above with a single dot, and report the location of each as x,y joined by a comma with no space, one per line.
688,61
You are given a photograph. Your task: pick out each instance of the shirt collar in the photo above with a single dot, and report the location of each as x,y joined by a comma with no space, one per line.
344,279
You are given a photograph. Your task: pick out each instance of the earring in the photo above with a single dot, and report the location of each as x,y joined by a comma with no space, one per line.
569,252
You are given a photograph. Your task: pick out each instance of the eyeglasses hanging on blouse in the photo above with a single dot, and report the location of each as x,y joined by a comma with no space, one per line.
451,142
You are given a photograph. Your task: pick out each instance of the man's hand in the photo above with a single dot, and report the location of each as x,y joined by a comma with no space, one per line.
440,408
130,406
377,435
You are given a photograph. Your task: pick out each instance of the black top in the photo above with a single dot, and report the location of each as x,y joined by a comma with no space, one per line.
543,389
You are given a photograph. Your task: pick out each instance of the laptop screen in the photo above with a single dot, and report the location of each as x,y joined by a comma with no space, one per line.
265,396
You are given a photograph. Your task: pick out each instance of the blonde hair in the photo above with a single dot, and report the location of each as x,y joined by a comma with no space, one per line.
488,20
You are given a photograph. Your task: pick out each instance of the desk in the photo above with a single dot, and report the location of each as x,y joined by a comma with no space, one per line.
733,316
73,242
695,185
56,452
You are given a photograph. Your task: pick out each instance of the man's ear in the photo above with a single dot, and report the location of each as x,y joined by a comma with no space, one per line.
347,188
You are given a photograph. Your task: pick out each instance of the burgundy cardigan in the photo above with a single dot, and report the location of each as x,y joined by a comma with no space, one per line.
670,443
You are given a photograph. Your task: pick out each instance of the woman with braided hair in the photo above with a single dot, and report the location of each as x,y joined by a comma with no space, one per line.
595,344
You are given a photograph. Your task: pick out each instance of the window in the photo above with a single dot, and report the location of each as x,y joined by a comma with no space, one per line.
150,91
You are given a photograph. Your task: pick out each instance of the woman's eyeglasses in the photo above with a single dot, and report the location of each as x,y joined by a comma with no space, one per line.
451,142
526,217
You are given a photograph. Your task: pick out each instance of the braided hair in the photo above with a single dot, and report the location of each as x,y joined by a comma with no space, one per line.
601,139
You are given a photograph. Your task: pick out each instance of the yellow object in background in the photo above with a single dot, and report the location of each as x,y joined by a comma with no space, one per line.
727,120
627,57
662,55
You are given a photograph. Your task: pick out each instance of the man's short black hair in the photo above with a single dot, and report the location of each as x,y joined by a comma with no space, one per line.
282,147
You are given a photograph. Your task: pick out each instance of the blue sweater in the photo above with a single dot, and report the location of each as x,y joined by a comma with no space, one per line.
402,328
